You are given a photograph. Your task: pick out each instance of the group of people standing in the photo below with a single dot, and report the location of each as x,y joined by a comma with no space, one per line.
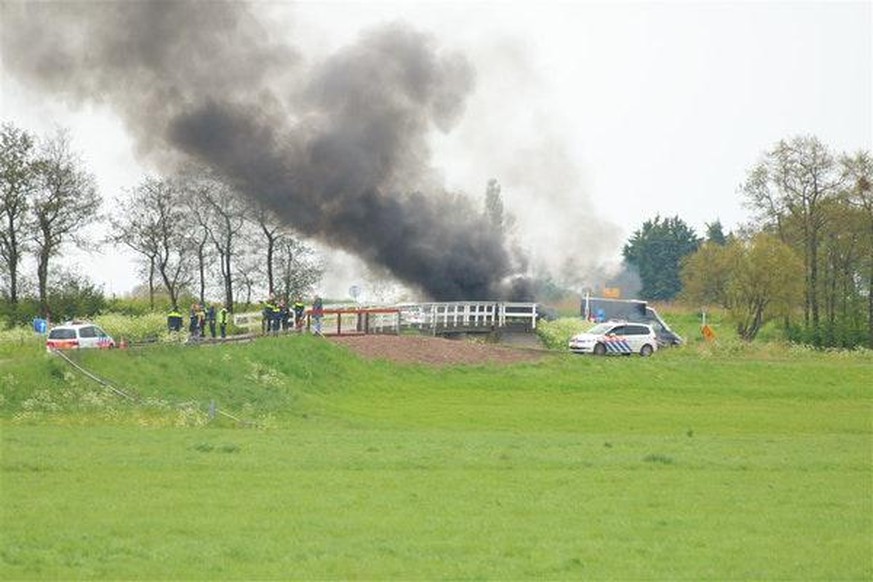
282,316
277,316
199,319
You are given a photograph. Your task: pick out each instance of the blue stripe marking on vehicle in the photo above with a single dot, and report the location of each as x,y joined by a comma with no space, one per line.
617,346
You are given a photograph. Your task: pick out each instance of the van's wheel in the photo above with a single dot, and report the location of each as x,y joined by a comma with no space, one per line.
646,351
599,350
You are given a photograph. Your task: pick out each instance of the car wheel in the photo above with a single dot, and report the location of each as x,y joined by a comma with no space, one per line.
646,351
600,350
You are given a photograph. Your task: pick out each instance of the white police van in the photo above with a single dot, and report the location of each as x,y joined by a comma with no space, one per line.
616,338
74,335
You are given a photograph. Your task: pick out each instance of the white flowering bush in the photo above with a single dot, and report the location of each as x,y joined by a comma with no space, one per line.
75,398
136,328
16,338
556,334
19,335
264,375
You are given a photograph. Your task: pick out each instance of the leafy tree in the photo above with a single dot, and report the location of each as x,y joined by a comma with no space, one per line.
858,176
17,185
706,273
789,190
715,233
66,201
72,295
765,283
755,280
818,203
656,251
842,247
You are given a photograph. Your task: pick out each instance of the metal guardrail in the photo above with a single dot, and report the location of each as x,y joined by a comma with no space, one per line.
362,321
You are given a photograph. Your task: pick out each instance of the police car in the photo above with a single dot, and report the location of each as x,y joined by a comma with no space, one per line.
77,334
616,338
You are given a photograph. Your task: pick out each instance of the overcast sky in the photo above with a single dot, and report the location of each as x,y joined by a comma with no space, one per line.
593,116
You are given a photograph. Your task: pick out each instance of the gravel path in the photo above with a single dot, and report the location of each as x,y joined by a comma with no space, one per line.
434,350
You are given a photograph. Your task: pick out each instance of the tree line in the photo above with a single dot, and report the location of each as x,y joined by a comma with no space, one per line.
192,233
805,258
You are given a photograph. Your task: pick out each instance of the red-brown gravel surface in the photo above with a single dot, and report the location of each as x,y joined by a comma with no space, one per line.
434,351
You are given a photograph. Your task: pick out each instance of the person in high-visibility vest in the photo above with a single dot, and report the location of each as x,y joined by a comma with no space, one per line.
270,312
222,321
174,320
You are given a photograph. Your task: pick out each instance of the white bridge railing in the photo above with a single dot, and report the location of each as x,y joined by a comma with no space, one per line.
469,315
435,318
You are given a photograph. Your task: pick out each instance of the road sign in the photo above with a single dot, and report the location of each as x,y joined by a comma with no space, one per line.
708,334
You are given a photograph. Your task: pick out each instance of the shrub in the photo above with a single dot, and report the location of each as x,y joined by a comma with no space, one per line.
555,334
138,328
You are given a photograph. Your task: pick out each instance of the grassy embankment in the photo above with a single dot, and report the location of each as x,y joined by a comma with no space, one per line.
690,465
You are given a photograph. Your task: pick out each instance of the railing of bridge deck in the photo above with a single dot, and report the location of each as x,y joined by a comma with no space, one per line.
469,315
437,317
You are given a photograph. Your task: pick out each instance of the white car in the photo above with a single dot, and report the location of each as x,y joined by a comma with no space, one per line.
75,334
616,338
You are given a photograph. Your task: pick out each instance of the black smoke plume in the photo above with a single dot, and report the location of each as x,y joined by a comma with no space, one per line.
338,150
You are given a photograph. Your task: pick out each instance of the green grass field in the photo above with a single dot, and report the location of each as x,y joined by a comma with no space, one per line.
693,464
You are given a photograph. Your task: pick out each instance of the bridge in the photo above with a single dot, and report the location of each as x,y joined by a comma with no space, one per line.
469,317
439,318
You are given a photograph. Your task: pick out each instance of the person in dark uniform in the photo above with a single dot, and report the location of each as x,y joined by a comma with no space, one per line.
299,308
194,321
282,316
270,312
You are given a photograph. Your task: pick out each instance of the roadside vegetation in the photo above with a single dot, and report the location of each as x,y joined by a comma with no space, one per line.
291,457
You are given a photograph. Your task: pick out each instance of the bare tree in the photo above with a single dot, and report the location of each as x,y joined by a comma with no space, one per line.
298,265
17,185
220,214
292,268
248,272
197,242
153,225
271,230
65,202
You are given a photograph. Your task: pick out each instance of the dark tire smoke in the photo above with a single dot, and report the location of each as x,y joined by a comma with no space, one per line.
338,151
